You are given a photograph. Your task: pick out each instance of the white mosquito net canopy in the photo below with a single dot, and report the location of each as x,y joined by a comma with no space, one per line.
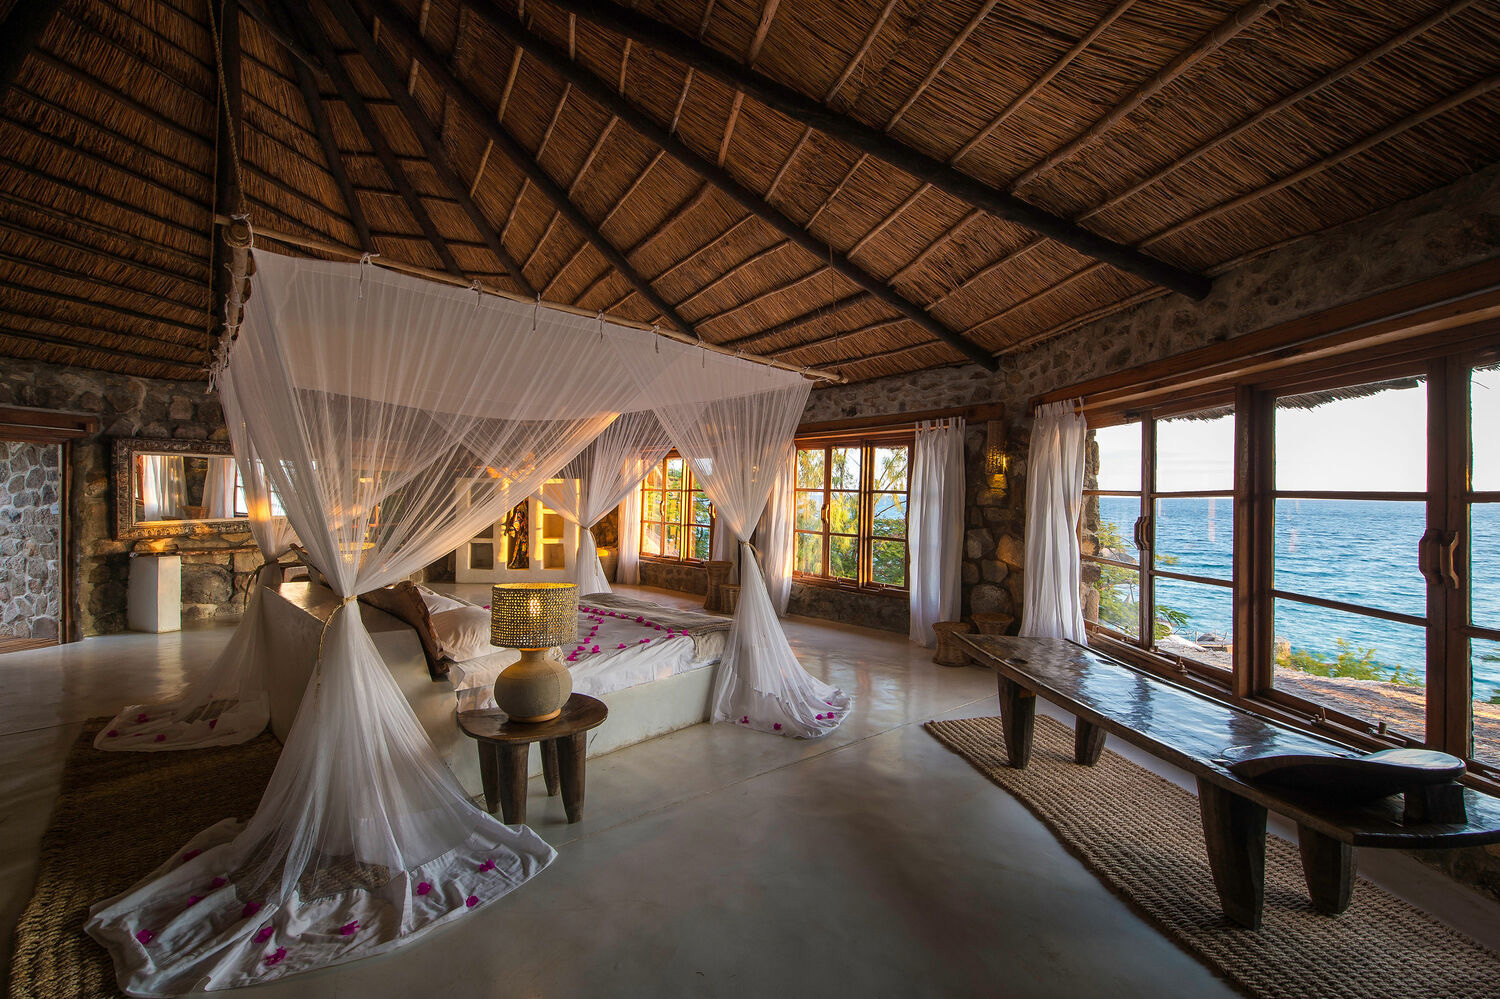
393,418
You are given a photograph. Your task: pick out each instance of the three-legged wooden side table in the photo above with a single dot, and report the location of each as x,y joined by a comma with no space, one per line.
504,747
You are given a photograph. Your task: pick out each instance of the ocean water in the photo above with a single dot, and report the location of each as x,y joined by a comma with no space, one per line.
1356,551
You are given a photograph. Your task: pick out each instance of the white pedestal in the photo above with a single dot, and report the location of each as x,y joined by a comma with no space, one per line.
155,593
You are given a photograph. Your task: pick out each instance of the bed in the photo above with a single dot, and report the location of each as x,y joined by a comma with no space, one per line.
654,668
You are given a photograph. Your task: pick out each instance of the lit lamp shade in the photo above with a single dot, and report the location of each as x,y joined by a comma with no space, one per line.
533,617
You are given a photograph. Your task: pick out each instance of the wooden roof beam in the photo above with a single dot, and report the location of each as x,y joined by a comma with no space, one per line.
398,25
809,112
810,316
647,127
437,155
1206,46
355,103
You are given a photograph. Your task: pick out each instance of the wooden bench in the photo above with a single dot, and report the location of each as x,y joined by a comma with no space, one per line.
1194,732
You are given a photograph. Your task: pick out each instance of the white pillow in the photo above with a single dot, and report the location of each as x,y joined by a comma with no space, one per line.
463,632
438,602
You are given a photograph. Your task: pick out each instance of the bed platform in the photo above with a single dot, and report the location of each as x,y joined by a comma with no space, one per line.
296,612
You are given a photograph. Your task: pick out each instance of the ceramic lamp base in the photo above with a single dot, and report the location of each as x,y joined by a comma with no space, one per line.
535,688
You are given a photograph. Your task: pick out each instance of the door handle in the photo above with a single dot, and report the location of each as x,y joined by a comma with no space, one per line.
1449,559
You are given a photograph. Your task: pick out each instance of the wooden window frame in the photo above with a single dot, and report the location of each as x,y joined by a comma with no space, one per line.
1443,359
687,490
866,442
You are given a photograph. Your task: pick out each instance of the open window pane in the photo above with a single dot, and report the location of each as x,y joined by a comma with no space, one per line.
1484,400
843,468
843,557
1195,536
889,517
1365,437
1484,666
1114,459
1194,453
889,468
1111,597
1363,666
843,513
888,563
1356,551
809,554
1111,519
1194,621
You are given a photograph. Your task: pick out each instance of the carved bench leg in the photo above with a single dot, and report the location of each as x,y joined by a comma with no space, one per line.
1328,865
1088,743
1017,718
1234,830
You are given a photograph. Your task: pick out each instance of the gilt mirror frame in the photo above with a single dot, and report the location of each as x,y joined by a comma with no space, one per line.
126,528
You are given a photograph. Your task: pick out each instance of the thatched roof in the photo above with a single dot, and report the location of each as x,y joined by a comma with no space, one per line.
821,206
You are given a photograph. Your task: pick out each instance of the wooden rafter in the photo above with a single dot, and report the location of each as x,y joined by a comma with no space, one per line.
767,15
430,142
112,256
942,63
738,268
605,97
861,52
114,308
786,164
464,98
199,352
810,316
834,338
152,246
796,106
1206,46
1024,97
716,241
27,336
58,269
355,103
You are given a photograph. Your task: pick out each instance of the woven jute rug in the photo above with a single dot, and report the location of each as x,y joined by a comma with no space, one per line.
1141,835
119,815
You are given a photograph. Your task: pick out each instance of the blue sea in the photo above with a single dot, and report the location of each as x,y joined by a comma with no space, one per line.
1356,551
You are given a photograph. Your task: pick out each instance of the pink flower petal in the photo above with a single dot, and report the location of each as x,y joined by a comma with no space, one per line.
190,855
657,627
194,899
594,649
423,888
276,958
349,929
213,723
250,909
643,641
620,646
488,865
471,901
777,726
145,937
820,717
141,719
263,934
217,883
745,720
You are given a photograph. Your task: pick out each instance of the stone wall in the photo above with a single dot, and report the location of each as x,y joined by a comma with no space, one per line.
885,612
30,540
213,585
682,576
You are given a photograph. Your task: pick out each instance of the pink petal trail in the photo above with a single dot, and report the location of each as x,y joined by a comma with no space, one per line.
471,901
777,726
349,929
488,865
250,909
423,888
194,899
190,855
820,717
217,883
145,937
276,957
745,720
620,646
264,934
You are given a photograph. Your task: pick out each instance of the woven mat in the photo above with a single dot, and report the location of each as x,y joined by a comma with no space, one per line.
117,818
1141,835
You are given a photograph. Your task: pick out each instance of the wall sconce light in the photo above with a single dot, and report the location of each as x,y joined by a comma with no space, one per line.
995,462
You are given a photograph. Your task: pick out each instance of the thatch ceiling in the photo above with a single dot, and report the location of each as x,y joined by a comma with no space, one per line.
1186,133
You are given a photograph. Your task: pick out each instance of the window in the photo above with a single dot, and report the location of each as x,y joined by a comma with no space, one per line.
242,505
850,512
1358,584
677,520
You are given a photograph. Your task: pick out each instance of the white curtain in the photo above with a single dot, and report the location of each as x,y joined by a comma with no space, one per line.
368,395
734,428
607,471
163,486
1053,606
218,489
935,526
628,569
773,536
228,705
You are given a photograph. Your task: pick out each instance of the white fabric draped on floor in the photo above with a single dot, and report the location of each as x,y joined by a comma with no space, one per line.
393,418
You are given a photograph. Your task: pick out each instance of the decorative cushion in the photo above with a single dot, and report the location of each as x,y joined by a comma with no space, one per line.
463,632
439,602
404,602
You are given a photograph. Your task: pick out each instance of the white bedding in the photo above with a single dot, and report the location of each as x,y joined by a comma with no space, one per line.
632,649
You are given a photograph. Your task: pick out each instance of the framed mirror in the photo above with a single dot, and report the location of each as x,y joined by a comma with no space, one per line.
171,488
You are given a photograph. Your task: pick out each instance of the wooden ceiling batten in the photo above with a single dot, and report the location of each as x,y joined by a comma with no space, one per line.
1206,46
834,338
942,63
465,99
112,256
861,52
36,209
762,27
796,106
811,316
662,137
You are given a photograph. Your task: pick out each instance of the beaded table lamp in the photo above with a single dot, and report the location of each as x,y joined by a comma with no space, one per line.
534,618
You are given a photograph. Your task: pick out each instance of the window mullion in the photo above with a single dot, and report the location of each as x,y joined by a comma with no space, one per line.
1146,624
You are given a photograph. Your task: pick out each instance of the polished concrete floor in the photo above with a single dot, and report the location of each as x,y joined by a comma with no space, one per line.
722,862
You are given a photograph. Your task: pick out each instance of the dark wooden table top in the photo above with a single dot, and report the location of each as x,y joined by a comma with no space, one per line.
580,714
1203,736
